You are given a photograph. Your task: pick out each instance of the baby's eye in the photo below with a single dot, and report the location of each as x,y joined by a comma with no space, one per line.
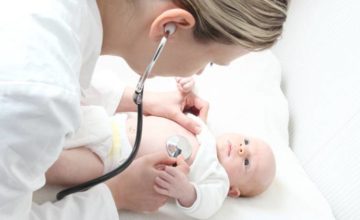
246,162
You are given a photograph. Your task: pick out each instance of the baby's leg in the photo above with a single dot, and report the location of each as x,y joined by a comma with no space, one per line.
74,166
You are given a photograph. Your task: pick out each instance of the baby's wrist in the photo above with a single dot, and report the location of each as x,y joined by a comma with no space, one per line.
189,198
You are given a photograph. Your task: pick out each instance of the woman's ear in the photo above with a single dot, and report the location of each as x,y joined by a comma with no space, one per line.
180,17
234,192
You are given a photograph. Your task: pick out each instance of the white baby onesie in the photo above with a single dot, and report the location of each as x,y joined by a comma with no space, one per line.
209,178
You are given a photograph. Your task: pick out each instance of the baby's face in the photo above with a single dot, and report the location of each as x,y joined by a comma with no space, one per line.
249,163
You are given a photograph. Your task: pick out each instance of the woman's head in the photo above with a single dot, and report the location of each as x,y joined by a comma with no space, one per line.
253,24
215,31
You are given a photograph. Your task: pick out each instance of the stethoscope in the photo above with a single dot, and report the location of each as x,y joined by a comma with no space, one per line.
175,145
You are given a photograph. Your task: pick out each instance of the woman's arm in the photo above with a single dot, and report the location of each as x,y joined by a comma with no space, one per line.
74,166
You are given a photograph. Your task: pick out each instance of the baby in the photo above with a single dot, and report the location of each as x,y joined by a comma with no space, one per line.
232,165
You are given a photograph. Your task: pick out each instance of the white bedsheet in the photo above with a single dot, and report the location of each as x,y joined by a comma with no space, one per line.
244,97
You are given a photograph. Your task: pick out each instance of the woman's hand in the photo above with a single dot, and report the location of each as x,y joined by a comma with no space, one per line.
133,188
172,105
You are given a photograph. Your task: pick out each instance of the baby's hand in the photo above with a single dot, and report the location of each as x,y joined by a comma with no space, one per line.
185,84
174,183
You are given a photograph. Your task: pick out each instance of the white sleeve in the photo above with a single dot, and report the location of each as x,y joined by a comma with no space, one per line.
32,130
106,90
95,132
39,107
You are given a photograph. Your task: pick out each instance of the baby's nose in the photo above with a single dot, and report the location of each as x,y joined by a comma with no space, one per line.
242,151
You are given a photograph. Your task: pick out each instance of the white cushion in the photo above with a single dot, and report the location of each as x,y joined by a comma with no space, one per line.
320,54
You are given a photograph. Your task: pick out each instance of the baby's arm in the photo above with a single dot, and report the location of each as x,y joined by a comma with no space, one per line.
173,182
74,166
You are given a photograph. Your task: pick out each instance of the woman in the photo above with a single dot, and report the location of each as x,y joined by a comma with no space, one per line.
48,52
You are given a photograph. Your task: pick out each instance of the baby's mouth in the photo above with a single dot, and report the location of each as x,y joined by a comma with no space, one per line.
228,148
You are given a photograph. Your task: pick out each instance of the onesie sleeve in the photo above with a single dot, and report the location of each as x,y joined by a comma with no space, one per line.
211,193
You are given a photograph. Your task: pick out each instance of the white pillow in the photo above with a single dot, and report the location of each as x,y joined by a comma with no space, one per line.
244,97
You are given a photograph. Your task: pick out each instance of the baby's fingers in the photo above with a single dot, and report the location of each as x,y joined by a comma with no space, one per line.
183,80
182,165
161,182
188,86
161,191
185,84
167,175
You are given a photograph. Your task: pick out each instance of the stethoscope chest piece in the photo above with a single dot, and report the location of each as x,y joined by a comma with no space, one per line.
176,145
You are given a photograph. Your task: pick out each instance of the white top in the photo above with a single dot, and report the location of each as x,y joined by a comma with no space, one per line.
208,176
48,50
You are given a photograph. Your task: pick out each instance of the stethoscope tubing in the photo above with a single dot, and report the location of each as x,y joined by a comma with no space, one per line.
116,171
138,98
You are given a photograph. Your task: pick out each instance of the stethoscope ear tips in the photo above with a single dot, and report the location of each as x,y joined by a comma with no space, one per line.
170,28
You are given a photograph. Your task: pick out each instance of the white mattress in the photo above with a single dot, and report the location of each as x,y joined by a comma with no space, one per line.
245,97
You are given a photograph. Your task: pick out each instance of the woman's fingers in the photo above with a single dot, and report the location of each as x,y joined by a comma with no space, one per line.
187,123
202,106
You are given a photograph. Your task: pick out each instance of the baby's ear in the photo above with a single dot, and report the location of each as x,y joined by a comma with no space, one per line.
234,192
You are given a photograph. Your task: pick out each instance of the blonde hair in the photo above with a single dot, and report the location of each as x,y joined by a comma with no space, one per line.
252,24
